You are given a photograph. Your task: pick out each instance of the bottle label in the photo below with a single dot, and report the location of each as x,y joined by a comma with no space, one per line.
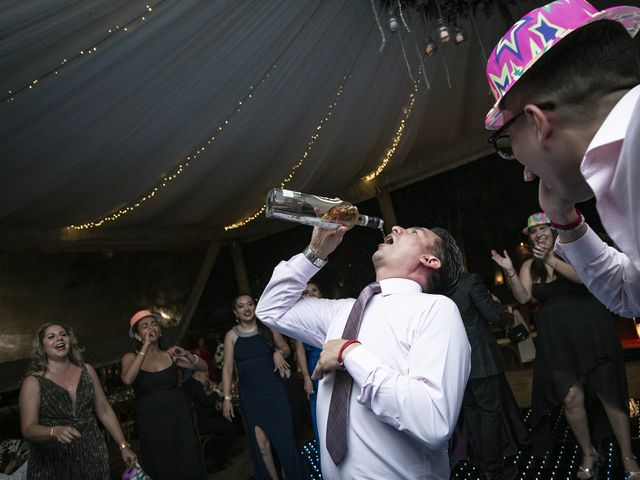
334,201
287,193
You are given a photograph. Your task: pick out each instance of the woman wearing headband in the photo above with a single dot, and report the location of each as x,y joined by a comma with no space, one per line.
579,355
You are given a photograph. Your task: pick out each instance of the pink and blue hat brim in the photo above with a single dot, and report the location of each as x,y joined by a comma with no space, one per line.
628,16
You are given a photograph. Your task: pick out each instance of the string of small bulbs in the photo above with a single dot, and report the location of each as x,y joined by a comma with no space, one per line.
397,137
176,171
305,154
84,53
184,163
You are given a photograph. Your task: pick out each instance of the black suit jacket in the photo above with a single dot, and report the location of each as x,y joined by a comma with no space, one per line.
478,310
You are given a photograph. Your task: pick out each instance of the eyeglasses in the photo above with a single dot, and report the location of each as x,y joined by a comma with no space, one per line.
501,141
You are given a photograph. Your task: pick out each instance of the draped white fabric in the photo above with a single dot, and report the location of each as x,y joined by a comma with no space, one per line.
104,129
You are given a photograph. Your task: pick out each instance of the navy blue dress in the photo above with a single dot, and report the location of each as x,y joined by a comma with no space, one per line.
264,404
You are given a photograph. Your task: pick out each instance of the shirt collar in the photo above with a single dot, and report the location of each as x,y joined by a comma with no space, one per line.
389,286
613,128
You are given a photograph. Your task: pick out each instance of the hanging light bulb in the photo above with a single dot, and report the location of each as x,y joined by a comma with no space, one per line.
430,46
442,31
459,36
394,23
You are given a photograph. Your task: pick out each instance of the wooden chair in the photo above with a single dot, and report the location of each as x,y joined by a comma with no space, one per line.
202,439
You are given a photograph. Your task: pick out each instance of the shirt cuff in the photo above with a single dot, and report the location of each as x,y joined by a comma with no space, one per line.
301,264
361,363
582,251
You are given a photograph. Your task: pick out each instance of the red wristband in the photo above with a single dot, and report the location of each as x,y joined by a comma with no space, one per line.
569,226
345,345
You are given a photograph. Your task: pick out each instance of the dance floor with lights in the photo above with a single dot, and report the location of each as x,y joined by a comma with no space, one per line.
561,462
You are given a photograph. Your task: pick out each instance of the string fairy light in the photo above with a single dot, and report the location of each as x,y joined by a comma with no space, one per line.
186,161
85,52
310,143
397,138
177,170
305,155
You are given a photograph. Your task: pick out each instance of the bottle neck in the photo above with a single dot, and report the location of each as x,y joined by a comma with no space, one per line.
368,221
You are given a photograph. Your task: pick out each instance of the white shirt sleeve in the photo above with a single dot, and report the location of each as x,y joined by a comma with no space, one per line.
283,308
426,401
608,274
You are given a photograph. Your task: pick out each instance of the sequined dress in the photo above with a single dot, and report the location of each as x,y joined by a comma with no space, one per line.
85,457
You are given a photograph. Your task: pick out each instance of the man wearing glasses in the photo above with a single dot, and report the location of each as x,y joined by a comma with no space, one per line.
566,79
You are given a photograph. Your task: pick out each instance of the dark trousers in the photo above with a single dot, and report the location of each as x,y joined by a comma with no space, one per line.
483,414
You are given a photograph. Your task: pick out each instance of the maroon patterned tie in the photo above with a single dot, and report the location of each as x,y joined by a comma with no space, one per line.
338,420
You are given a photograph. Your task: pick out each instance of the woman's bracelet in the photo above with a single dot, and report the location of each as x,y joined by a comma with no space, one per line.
124,445
195,359
51,432
140,352
227,397
512,275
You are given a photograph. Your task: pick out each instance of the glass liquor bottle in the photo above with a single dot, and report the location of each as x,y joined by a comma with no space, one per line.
323,212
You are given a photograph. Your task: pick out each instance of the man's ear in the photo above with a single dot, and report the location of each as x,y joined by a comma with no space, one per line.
430,261
540,120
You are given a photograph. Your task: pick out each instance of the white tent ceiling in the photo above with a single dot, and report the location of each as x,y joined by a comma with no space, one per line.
127,91
103,102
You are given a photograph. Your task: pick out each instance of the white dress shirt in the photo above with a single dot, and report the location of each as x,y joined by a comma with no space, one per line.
611,167
409,373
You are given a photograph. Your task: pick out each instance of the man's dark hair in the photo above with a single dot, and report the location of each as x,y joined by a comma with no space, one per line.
444,280
590,63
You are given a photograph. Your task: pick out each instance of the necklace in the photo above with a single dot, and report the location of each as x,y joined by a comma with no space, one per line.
247,333
252,329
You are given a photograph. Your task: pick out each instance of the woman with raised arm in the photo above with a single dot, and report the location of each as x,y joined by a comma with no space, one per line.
60,399
259,356
168,447
579,354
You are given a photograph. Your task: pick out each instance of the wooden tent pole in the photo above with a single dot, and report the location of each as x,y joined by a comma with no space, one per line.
198,288
386,209
239,265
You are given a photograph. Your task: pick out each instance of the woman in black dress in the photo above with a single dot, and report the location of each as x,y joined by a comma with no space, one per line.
259,355
167,443
60,398
577,349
